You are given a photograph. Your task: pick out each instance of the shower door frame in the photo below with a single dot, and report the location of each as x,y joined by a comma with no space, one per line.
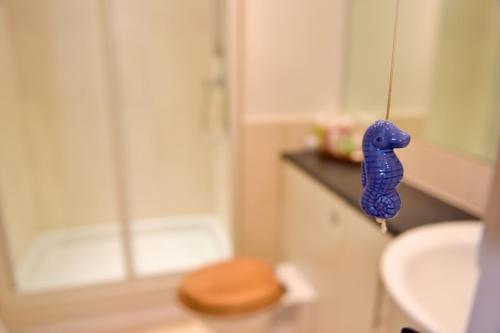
39,311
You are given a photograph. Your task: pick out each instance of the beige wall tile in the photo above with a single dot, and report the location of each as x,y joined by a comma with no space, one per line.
263,144
61,107
18,208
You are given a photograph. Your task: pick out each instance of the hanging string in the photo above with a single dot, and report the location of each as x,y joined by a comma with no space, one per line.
383,222
393,53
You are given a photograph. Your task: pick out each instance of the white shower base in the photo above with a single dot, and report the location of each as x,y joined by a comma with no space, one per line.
93,254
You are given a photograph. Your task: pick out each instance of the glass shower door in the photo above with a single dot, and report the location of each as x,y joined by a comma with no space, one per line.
58,184
114,143
170,66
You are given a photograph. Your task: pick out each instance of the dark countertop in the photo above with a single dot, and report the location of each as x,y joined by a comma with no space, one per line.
418,208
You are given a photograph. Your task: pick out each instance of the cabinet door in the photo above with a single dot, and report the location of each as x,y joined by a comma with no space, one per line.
337,248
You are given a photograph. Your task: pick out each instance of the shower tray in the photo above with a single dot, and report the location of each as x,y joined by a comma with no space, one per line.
93,254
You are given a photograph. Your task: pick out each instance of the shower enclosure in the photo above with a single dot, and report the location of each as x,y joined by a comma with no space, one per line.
114,142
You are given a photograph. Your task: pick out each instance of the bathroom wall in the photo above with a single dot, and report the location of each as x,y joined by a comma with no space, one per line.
18,208
264,140
292,51
2,328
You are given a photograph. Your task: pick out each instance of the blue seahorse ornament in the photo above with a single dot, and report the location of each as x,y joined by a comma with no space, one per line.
381,170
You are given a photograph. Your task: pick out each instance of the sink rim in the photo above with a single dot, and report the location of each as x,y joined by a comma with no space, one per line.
467,231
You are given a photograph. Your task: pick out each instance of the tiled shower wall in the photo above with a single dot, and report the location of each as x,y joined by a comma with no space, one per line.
65,65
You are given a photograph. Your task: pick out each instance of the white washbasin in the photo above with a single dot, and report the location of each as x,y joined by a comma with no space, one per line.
431,273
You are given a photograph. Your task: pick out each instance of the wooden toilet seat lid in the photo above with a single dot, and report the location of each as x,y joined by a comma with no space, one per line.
238,286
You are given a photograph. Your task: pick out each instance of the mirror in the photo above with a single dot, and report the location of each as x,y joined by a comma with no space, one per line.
447,75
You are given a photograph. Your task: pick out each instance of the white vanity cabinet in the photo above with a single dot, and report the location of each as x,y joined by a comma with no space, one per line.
338,250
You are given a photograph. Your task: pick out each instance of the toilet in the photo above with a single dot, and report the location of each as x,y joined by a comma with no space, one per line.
246,295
